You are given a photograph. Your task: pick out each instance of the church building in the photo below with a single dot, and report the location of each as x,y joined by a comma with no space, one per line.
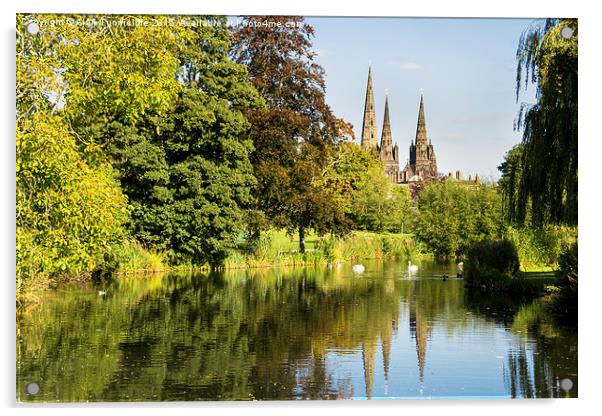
422,163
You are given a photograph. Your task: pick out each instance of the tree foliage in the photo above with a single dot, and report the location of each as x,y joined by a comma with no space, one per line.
548,183
491,262
294,137
186,169
210,177
363,192
378,205
451,218
510,185
69,208
157,107
69,212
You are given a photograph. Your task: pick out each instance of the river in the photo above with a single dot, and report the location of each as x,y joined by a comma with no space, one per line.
291,333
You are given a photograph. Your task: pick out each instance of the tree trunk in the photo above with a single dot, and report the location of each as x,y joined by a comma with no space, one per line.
301,240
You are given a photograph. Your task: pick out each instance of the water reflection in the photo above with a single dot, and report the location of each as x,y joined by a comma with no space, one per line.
289,334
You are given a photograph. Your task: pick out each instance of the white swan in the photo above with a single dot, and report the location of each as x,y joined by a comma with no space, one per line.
412,268
358,268
461,266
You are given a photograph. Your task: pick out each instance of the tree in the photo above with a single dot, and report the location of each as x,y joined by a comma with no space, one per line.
452,218
401,215
294,137
210,176
187,170
69,212
69,208
163,104
549,172
510,184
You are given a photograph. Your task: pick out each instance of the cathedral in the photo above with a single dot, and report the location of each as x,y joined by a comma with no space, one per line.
422,163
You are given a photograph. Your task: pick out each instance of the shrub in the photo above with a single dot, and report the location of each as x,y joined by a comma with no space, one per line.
328,246
131,257
568,265
564,302
263,248
492,263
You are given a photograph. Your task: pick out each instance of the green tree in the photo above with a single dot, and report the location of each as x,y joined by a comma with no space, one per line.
510,184
549,171
452,218
69,208
364,193
210,176
163,104
69,212
401,216
187,170
294,137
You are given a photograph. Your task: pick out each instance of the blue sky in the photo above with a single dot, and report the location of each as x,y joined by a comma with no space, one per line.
465,67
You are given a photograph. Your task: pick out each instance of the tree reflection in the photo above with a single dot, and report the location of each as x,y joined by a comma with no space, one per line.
546,357
260,334
545,353
240,336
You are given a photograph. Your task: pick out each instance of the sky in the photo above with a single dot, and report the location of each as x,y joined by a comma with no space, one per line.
466,69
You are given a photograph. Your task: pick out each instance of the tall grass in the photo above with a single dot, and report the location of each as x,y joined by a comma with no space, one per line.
133,257
275,249
540,247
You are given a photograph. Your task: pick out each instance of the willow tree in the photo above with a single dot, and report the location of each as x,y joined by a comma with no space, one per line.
547,58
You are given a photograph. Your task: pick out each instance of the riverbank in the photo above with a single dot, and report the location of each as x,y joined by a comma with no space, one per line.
275,248
537,281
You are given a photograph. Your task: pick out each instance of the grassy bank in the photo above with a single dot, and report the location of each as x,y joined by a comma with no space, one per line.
539,279
276,248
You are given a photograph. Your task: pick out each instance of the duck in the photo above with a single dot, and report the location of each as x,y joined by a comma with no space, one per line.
412,268
445,276
358,268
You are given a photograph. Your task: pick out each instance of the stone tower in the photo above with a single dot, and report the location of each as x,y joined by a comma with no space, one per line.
389,154
423,162
369,133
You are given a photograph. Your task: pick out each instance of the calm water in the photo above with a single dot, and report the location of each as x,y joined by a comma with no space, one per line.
290,334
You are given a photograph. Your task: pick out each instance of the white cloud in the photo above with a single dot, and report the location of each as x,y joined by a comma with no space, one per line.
410,66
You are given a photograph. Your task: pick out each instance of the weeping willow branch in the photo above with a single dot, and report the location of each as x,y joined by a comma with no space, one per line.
547,189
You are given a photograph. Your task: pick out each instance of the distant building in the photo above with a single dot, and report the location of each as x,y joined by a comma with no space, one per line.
388,152
369,133
421,164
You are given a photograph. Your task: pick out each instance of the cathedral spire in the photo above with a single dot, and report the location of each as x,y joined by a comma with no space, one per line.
369,133
368,359
389,154
386,350
421,125
386,141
